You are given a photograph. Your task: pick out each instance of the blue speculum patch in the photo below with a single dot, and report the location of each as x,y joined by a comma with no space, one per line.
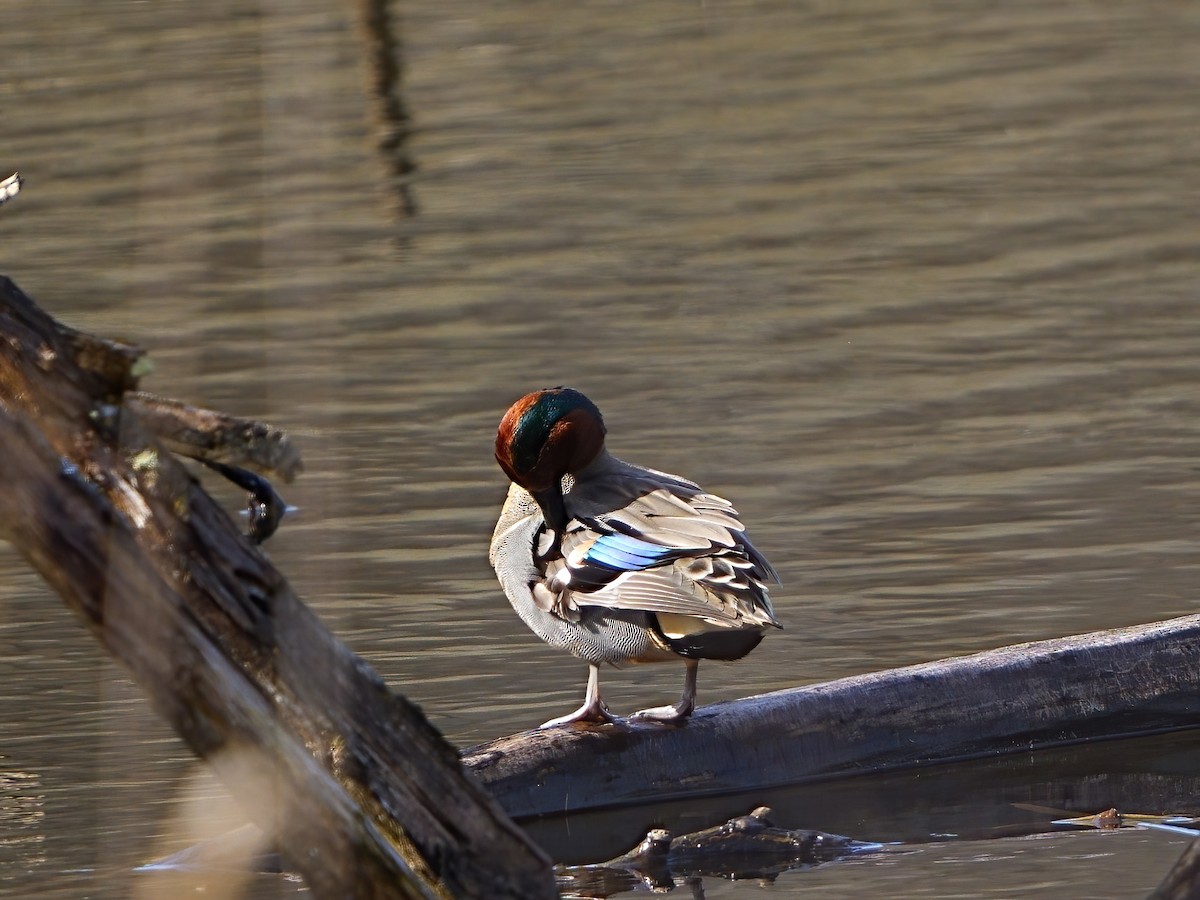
625,554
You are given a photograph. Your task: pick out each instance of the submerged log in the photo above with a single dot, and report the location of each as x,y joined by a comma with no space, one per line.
750,846
1104,685
360,793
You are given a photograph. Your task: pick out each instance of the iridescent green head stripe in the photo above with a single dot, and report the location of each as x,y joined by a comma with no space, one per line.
536,416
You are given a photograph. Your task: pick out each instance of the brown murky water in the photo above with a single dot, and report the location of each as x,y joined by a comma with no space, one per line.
915,285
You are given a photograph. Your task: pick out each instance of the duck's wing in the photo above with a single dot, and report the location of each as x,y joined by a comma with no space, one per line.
672,548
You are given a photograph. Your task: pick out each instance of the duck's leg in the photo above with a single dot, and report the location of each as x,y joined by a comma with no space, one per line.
593,709
672,715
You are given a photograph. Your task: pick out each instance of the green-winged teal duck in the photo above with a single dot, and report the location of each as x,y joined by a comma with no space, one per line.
616,563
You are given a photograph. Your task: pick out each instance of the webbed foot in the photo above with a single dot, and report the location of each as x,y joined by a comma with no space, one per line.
596,713
675,715
667,715
594,709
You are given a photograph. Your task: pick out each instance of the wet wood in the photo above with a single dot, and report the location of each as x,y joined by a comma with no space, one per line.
361,794
1182,881
213,436
1022,698
749,846
744,847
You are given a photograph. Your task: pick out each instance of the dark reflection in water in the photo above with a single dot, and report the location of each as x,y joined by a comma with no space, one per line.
914,286
975,801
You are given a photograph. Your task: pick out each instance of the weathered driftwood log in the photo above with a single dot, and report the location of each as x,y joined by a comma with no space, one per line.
1108,684
359,792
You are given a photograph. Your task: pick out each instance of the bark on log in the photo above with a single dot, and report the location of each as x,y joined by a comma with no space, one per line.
1108,684
1182,882
212,436
358,790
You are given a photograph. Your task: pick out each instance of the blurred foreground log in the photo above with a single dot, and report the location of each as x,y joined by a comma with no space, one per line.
360,793
1104,685
1182,881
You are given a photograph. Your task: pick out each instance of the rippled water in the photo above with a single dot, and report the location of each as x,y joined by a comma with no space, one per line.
913,285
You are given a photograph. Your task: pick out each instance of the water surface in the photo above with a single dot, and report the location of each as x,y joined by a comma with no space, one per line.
913,285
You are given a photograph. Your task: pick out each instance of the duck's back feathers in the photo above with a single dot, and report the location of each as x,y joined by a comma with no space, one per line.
648,541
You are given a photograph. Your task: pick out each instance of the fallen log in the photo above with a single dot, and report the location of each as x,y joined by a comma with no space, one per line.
358,791
1108,684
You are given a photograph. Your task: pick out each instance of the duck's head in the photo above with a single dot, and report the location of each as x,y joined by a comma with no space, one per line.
544,436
